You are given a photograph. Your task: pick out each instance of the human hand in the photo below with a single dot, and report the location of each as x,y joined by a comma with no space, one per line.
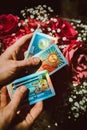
14,117
12,64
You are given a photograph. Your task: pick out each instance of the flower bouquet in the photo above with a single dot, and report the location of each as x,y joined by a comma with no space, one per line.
72,38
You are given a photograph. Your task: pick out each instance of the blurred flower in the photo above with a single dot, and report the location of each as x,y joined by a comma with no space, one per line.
77,100
70,37
11,39
8,24
76,54
60,28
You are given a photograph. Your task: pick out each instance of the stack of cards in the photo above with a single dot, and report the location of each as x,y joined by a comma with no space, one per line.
39,42
39,83
52,59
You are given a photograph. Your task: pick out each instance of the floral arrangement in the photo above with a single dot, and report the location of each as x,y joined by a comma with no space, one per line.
72,38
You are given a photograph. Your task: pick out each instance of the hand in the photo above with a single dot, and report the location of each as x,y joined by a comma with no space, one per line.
12,64
12,116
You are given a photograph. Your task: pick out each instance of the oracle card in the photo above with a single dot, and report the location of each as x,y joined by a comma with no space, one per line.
52,59
39,42
39,85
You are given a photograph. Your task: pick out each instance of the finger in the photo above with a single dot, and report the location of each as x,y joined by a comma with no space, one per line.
36,110
20,42
16,99
33,114
4,97
28,62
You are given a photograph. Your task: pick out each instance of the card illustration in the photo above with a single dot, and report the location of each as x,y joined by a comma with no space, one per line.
52,59
39,85
39,42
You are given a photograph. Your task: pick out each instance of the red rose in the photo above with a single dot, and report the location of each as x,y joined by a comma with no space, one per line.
8,24
76,54
11,39
66,29
33,23
24,26
61,29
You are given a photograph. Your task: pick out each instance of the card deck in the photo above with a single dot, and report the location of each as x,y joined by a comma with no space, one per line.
52,59
39,42
39,85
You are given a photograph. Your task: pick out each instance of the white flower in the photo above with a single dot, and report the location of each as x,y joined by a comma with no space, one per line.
76,115
58,30
84,39
70,99
64,38
26,20
19,24
79,39
53,31
49,126
49,29
44,6
85,83
32,29
22,11
55,20
56,124
31,16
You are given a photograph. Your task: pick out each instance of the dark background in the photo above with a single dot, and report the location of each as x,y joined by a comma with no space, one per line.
65,8
14,6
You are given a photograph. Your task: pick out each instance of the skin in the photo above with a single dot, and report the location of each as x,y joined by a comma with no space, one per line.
16,114
12,61
13,118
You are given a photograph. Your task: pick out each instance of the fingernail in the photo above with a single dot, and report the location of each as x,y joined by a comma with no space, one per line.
23,89
36,60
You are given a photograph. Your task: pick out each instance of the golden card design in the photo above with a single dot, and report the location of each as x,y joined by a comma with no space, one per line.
52,59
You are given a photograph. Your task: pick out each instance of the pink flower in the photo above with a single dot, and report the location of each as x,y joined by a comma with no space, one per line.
8,25
76,54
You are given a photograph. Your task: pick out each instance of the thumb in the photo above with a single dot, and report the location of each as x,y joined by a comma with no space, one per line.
16,99
28,62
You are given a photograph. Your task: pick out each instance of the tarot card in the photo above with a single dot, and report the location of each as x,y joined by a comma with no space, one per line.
52,59
10,90
39,42
39,85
